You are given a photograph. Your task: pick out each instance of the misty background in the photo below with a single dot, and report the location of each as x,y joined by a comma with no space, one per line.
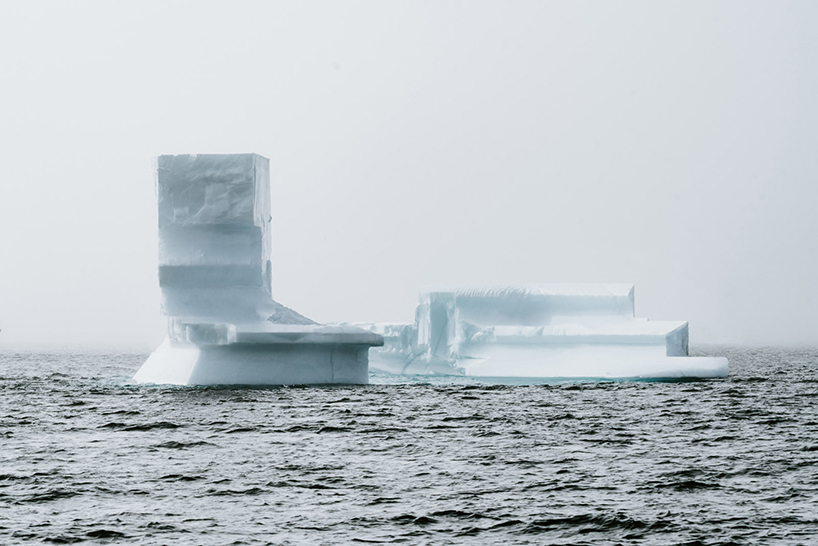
672,145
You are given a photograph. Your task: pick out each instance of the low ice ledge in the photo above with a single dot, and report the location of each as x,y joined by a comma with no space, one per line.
635,329
293,334
523,290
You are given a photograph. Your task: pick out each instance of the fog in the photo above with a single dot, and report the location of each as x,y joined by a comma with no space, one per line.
667,144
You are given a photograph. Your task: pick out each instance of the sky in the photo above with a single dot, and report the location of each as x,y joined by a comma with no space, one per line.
672,145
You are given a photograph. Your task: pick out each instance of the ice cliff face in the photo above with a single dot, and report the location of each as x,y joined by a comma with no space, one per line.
214,236
215,275
214,239
537,330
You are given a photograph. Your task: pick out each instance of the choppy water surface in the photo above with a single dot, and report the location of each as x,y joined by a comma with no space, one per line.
86,456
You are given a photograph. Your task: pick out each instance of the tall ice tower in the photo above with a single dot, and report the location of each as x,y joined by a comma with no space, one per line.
215,274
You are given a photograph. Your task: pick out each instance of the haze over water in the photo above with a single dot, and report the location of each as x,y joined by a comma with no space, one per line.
666,144
89,456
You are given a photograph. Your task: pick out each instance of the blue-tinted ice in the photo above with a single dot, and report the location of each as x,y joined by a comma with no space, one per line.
215,274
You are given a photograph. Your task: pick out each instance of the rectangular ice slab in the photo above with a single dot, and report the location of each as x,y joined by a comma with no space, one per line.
448,314
537,331
208,189
262,353
256,364
214,236
442,307
212,245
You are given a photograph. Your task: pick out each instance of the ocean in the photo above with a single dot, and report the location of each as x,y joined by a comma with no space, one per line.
87,456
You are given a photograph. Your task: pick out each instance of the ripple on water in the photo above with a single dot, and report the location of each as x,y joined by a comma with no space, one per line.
87,456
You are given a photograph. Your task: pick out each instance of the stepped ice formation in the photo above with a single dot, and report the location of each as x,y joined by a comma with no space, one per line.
537,331
215,275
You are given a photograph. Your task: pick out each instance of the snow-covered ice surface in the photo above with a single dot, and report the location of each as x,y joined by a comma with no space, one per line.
215,274
537,331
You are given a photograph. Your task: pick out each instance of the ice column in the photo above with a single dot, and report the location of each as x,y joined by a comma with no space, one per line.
215,276
214,236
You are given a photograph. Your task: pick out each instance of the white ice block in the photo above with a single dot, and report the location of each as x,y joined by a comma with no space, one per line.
213,189
537,331
215,275
527,304
233,304
274,355
212,245
214,235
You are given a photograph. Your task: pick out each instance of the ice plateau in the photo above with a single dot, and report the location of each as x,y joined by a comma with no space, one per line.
537,331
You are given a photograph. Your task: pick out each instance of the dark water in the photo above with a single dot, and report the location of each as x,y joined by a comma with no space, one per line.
85,456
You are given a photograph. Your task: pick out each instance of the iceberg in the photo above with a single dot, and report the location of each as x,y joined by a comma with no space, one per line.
225,327
215,277
537,331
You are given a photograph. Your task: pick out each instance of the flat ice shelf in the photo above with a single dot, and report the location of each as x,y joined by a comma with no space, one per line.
537,331
262,355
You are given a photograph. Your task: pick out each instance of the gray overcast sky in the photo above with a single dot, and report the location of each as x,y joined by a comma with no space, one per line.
673,145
